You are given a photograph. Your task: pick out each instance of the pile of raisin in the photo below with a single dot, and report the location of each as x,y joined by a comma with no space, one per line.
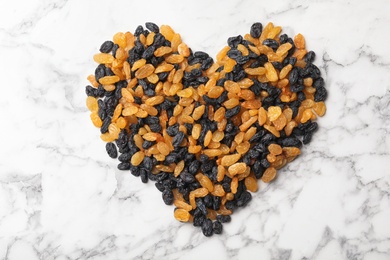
204,130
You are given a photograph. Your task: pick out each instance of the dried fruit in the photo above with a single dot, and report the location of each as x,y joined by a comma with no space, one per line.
205,131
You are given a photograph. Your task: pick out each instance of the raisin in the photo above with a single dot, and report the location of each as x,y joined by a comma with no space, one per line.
207,228
152,27
106,47
111,150
123,166
256,30
217,227
320,94
244,199
224,218
167,196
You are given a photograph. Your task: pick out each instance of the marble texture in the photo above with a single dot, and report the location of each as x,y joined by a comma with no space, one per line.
61,197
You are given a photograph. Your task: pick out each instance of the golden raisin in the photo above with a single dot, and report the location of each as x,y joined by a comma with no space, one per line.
145,71
269,174
137,158
251,184
182,215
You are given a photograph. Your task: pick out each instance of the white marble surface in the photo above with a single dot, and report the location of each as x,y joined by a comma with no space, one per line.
61,197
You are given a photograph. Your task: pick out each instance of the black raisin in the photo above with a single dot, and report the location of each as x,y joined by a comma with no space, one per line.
207,228
123,166
167,196
106,47
320,94
178,139
244,199
293,77
232,112
224,218
217,227
152,27
256,30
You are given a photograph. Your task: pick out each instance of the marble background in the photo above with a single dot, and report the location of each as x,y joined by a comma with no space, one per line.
61,197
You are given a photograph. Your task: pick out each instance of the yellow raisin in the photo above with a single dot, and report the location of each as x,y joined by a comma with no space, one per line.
272,130
207,138
307,113
299,41
271,73
92,104
275,149
182,215
269,174
274,112
319,108
183,49
96,121
237,168
231,159
103,58
243,147
205,182
251,184
109,80
145,71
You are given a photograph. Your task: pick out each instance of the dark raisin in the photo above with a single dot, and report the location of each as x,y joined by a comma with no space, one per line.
113,51
265,163
201,54
231,204
320,94
173,130
148,53
198,220
135,171
111,150
297,88
309,57
256,30
319,83
208,201
293,77
234,41
258,170
232,112
167,196
224,218
307,137
217,227
124,157
123,166
178,139
216,203
187,177
244,199
105,125
207,228
201,206
291,141
152,27
106,47
144,176
271,43
138,31
194,167
100,72
155,128
207,63
148,163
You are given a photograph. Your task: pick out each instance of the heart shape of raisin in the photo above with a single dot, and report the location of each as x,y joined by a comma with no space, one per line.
205,130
